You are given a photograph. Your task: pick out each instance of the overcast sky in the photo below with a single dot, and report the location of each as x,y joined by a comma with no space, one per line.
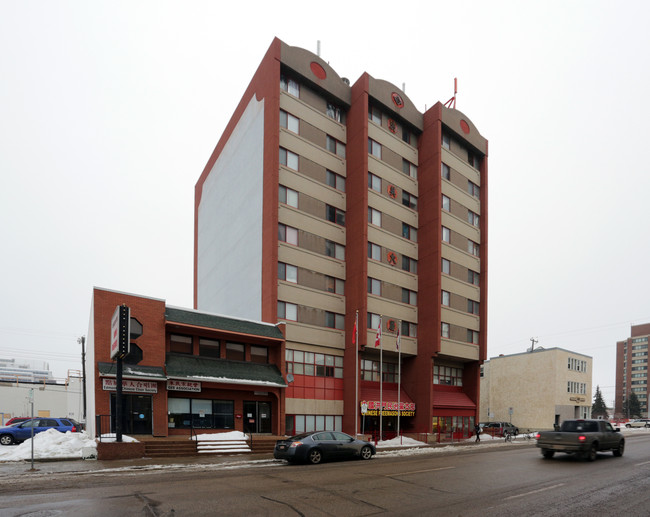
109,111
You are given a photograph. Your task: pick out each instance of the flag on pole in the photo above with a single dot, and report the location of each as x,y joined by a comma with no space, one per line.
399,336
378,338
354,330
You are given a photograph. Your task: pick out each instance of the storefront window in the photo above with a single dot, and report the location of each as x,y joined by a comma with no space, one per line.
185,413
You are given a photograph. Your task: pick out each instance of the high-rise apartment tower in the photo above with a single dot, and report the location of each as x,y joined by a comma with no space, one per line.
325,203
632,370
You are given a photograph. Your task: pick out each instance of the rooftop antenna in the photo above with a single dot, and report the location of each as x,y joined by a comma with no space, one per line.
533,341
318,48
451,103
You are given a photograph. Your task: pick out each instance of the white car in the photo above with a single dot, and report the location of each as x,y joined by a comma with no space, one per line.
640,422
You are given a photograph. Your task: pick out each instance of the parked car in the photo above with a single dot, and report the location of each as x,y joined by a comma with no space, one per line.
23,431
16,420
498,428
315,447
639,422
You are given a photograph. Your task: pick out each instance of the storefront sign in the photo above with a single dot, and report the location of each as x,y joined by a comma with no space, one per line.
183,386
375,412
130,385
401,406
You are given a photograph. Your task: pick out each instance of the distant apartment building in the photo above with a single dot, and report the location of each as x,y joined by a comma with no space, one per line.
340,208
632,369
535,390
12,370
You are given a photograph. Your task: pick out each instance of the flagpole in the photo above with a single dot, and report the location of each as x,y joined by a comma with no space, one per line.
355,342
399,374
381,381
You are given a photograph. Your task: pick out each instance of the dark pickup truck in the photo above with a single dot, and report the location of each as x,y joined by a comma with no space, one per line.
583,437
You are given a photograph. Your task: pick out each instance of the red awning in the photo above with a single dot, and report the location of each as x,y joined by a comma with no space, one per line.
452,399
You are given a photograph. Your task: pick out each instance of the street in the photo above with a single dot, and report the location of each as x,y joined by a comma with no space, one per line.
466,480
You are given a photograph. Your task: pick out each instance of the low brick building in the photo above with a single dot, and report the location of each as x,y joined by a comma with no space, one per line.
189,371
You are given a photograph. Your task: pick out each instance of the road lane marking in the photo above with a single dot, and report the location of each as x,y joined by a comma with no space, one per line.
417,471
535,491
639,464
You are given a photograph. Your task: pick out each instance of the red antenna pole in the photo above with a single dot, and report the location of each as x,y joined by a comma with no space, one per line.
451,103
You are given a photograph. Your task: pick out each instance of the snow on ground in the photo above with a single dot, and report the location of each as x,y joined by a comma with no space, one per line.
52,444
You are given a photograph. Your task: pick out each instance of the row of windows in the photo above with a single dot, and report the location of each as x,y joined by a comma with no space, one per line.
409,200
289,311
180,344
473,248
577,365
297,424
472,188
408,296
408,231
640,339
370,371
290,197
579,388
289,235
375,115
472,158
408,264
289,273
317,365
292,87
448,375
407,329
639,347
472,217
472,335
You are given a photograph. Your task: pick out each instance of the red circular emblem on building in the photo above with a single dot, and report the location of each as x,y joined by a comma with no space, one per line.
318,70
464,126
391,325
391,258
392,125
392,191
397,99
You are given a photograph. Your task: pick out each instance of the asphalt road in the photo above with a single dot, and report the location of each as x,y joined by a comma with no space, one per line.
471,480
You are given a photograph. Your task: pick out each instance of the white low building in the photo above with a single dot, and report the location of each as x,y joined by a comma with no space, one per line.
535,390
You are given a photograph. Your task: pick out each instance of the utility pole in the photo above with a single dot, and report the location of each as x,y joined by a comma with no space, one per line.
533,342
82,341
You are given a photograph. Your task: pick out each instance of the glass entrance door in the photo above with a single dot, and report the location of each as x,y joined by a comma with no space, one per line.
257,417
136,414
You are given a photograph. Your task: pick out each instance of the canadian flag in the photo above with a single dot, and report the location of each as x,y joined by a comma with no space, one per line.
378,338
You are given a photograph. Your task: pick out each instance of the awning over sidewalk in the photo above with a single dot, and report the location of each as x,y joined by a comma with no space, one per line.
133,371
456,399
192,368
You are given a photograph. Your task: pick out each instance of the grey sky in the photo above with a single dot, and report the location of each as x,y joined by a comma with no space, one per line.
110,110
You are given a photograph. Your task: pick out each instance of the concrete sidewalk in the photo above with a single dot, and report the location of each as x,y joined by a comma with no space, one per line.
9,470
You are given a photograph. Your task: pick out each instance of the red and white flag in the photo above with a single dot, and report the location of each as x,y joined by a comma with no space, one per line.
399,336
354,330
378,338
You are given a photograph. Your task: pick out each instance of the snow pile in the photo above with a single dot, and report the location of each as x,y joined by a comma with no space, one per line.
399,441
49,444
233,441
232,435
